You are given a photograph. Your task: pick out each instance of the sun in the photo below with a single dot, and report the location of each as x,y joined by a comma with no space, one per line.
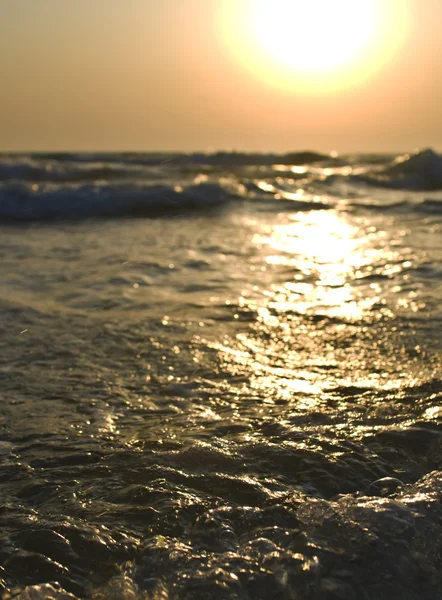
313,35
314,45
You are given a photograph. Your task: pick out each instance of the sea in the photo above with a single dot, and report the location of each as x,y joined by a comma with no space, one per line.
221,376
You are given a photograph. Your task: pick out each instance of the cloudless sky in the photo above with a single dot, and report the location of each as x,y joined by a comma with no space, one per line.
158,75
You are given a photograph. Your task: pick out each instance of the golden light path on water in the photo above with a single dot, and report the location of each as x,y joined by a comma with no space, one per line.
317,46
327,323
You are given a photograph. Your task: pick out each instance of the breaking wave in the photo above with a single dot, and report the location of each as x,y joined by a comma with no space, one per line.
24,202
419,171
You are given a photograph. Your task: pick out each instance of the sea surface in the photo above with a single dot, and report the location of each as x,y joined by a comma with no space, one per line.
220,376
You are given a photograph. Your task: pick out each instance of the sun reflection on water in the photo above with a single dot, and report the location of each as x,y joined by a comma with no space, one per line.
327,255
322,319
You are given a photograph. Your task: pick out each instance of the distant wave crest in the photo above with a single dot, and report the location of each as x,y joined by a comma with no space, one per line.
42,170
89,167
419,171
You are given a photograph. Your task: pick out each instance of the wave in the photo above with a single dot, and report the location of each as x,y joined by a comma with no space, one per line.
24,202
256,159
20,202
419,171
28,169
428,205
78,186
75,167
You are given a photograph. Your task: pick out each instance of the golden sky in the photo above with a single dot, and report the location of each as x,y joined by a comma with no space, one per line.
359,75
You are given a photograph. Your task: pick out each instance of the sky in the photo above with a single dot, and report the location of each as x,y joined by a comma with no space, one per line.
205,75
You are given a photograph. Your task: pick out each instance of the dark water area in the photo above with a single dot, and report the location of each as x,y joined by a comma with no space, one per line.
221,376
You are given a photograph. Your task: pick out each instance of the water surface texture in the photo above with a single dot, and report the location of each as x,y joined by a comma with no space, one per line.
221,376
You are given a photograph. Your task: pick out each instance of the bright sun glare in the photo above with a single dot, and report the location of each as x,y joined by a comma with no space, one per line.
314,45
316,35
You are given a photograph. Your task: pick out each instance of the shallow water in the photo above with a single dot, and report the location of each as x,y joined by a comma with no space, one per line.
236,396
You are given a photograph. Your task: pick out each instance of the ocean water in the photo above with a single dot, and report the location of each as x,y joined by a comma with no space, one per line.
221,376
